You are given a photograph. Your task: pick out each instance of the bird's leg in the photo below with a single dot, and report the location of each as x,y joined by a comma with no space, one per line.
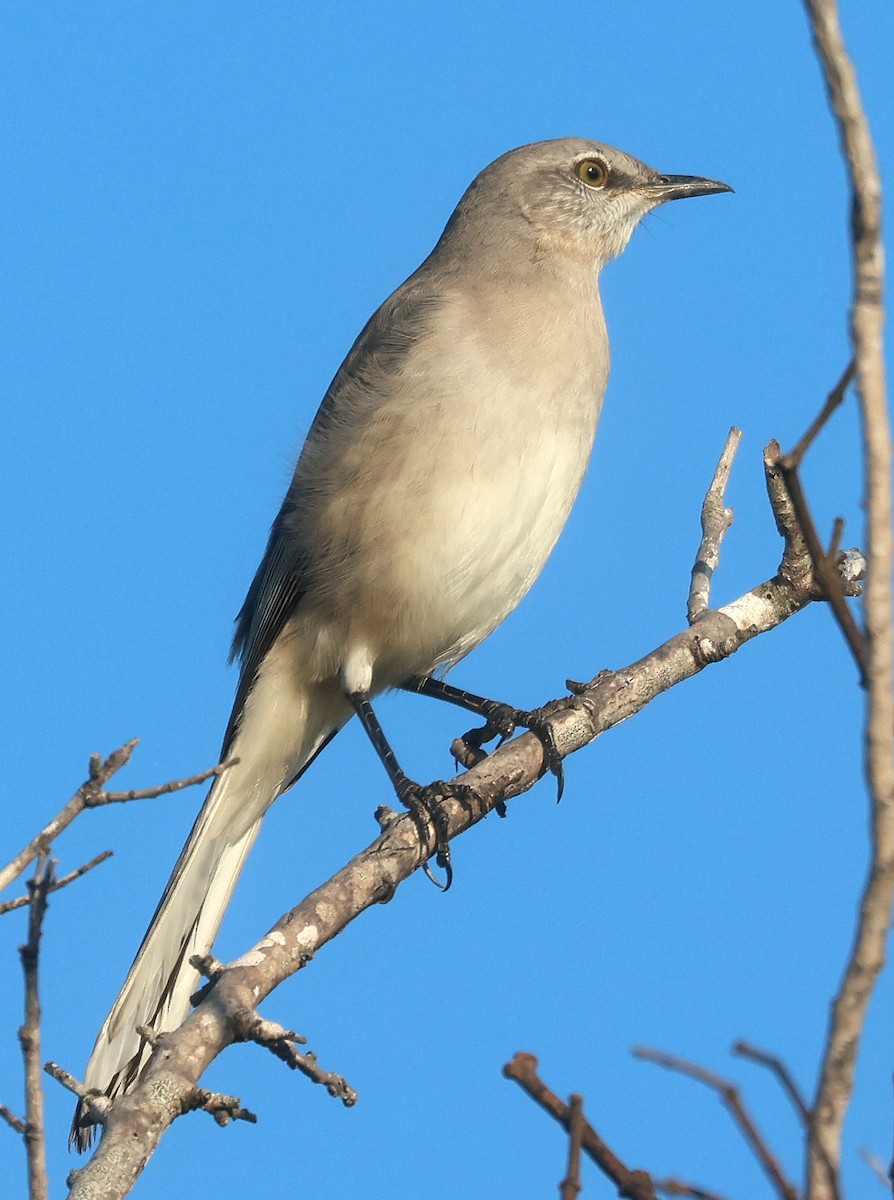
502,720
420,799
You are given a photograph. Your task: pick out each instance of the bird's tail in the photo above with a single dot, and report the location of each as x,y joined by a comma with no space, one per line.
273,746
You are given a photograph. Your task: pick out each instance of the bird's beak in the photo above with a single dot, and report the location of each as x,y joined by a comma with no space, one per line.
678,187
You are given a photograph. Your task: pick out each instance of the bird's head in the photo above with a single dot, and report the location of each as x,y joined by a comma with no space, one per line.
570,196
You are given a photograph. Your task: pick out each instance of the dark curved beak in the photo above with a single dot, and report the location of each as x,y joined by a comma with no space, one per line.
678,187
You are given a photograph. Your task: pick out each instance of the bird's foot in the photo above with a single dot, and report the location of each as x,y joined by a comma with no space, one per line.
502,721
538,723
423,803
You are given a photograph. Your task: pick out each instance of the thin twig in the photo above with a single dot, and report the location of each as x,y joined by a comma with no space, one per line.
95,1104
637,1185
223,1109
21,901
570,1185
780,1070
281,1042
29,1034
732,1100
833,400
835,541
68,1081
679,1187
827,574
92,794
99,772
716,519
12,1120
867,956
825,563
877,1167
163,789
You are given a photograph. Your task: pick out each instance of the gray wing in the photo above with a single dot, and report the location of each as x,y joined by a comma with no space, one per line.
379,352
275,593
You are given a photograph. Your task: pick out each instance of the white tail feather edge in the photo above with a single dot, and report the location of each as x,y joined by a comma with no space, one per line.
279,733
161,981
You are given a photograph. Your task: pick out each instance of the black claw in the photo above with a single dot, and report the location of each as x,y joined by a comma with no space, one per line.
552,759
501,719
422,803
444,862
442,858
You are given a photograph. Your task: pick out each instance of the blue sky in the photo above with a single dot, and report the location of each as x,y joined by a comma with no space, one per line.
202,203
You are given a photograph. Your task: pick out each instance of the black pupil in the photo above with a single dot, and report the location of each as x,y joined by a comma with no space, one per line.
594,172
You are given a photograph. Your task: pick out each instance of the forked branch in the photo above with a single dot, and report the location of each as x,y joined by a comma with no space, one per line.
867,954
93,794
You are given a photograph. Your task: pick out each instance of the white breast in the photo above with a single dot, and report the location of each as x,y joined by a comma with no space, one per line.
457,488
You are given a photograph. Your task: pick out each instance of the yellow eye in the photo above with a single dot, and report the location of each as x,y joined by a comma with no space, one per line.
593,172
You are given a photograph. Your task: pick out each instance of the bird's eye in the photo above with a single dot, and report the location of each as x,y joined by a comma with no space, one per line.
593,172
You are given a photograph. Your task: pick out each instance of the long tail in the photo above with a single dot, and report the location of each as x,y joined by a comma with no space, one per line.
278,736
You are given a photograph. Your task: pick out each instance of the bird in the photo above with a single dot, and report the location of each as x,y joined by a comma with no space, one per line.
433,484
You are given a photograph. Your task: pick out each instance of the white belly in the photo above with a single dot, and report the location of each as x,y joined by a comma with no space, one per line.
490,531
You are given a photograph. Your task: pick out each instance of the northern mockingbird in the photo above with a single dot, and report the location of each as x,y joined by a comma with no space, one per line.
434,482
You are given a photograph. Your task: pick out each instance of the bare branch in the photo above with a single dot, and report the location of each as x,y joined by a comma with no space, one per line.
92,794
163,789
877,1167
678,1187
251,1027
12,1120
731,1098
716,519
99,772
137,1120
96,1106
29,1034
224,1109
867,321
825,564
570,1185
782,1073
21,901
68,1081
834,399
636,1185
